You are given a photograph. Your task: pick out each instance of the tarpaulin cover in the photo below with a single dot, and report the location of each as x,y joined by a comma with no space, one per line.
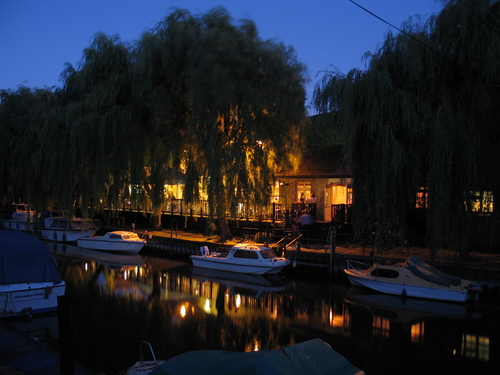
310,357
25,259
429,273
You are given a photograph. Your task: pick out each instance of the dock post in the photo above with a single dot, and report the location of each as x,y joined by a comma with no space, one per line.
67,363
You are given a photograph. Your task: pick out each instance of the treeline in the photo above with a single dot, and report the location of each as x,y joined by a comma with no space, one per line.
424,114
199,95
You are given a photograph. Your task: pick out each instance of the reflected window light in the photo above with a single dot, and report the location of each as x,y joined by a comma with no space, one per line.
207,305
381,326
336,320
86,266
476,347
417,333
238,301
256,346
183,311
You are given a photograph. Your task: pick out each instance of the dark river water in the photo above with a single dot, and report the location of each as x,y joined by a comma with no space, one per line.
117,301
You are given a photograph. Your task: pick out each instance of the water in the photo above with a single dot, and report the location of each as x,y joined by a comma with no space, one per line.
119,300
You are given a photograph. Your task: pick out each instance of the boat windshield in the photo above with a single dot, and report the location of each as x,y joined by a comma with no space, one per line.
267,254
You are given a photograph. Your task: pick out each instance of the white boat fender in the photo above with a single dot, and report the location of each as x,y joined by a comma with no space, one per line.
204,250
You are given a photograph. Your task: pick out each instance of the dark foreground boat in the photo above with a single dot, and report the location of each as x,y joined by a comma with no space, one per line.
29,279
309,357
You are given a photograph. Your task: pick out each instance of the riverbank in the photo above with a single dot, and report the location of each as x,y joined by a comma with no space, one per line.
477,259
320,260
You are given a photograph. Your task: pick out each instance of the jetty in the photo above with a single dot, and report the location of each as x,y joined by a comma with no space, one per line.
320,258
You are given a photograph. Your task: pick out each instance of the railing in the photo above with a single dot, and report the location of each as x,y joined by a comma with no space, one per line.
273,212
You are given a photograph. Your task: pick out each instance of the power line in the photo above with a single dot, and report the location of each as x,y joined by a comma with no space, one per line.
390,24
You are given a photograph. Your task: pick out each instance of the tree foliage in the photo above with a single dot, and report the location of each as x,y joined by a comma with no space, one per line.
423,114
200,95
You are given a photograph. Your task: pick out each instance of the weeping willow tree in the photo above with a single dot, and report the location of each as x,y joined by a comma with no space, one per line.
198,95
423,114
22,114
102,119
222,104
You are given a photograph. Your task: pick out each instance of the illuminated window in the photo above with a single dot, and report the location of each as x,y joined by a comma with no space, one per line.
480,202
476,347
303,191
422,198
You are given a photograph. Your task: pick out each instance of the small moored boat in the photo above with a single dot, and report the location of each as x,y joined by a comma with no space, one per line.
413,278
19,217
243,258
56,226
122,241
309,357
29,279
142,366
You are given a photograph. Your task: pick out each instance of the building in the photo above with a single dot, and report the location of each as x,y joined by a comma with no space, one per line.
322,183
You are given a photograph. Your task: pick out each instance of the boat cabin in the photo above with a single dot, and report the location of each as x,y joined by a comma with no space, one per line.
251,252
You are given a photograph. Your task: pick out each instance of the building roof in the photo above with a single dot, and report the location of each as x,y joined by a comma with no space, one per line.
326,163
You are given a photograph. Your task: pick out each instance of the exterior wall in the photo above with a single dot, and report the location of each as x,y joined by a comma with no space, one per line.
327,191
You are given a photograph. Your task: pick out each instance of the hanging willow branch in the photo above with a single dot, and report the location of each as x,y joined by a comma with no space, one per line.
423,115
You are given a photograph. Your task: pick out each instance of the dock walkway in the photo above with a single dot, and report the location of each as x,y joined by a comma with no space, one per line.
483,267
22,354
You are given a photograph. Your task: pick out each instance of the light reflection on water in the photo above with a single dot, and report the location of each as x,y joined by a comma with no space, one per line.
119,300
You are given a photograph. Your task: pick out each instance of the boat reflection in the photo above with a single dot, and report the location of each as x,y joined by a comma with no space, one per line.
67,253
179,309
406,311
256,286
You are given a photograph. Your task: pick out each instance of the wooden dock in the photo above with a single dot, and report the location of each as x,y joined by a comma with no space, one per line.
23,354
316,259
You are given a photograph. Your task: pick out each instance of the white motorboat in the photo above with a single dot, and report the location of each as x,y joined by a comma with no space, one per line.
69,253
413,278
243,258
122,241
29,279
19,217
56,226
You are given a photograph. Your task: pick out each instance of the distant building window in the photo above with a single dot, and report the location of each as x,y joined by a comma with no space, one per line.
303,191
422,198
480,202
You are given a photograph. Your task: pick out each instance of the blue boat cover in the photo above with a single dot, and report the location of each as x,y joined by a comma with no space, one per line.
429,273
25,259
310,357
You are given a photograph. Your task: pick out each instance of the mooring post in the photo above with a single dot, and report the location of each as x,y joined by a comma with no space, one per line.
66,359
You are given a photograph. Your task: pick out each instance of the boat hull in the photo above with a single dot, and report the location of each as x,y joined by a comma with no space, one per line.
222,264
18,225
29,298
451,294
107,245
64,235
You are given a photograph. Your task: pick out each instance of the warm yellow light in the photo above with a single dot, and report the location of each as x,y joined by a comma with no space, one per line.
183,311
336,320
238,301
207,305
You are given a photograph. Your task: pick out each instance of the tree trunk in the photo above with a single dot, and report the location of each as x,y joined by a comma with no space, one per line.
224,231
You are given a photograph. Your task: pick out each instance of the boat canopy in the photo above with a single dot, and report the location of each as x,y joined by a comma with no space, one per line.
310,357
429,273
25,259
